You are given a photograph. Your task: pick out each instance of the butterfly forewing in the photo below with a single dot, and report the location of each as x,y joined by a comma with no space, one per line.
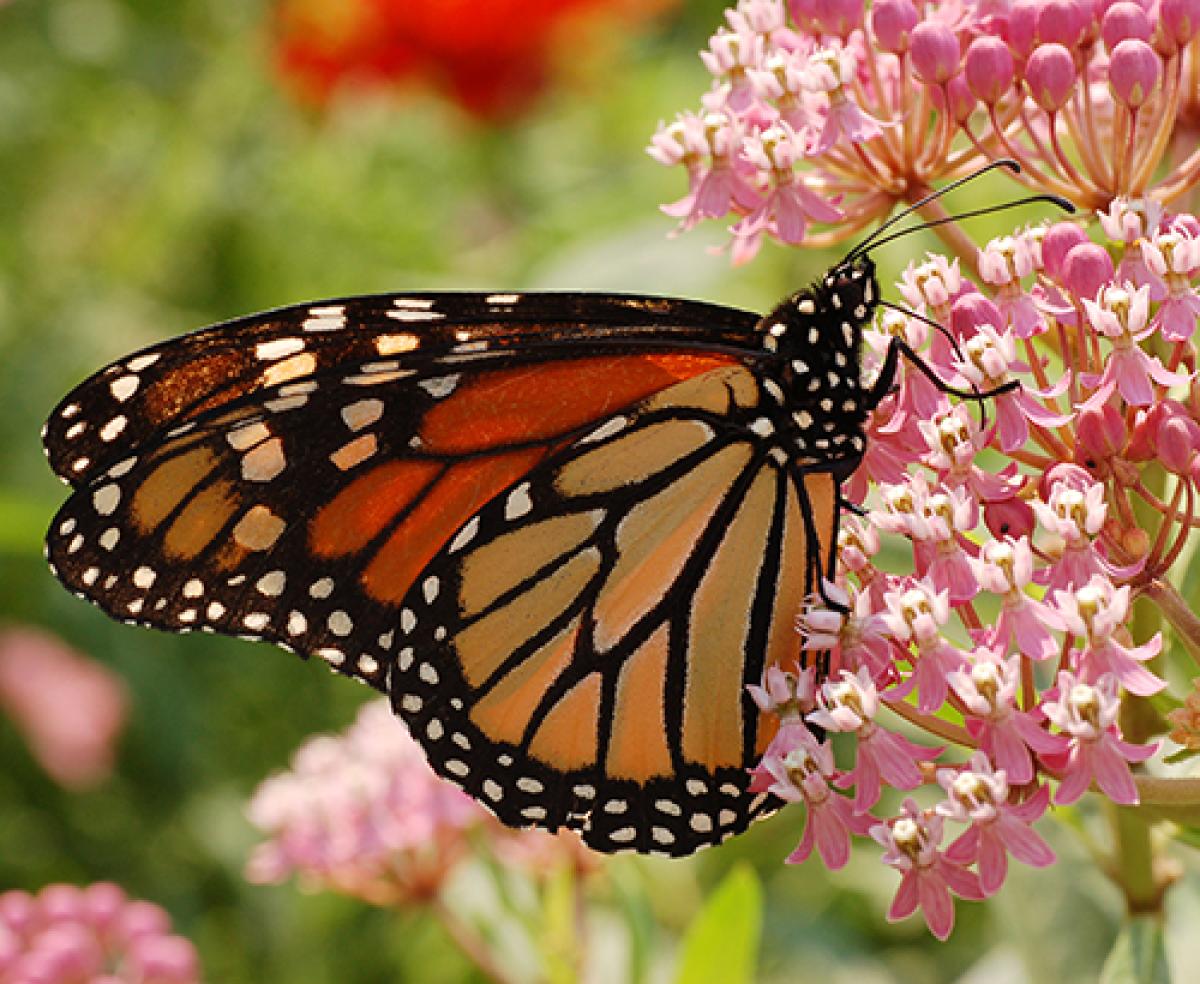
137,399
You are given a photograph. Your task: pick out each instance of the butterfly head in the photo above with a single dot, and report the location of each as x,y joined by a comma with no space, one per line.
818,330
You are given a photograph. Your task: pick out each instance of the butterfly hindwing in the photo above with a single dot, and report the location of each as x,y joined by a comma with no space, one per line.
577,654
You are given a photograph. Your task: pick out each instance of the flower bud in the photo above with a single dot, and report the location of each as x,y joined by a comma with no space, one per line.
1179,20
1086,268
1050,75
1125,20
1133,72
962,100
935,53
1021,30
1062,22
1101,435
971,310
1177,444
836,17
893,21
1009,517
1059,239
989,69
1143,439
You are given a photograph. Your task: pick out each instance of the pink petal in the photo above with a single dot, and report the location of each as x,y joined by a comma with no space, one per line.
1113,775
936,905
905,902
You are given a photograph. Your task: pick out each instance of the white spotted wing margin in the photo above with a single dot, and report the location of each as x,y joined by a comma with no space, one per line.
128,406
578,654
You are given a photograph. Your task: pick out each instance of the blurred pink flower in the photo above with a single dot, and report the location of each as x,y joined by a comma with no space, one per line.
363,814
69,708
92,935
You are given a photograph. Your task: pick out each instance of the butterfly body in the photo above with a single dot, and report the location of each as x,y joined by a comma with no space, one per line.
561,531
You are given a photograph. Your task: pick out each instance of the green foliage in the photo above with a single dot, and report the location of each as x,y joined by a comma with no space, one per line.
721,944
1139,955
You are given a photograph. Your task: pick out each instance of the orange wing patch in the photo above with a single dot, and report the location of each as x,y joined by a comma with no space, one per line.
720,626
454,498
638,749
568,736
537,403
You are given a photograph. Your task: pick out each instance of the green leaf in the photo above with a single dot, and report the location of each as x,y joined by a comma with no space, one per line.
1181,756
1139,955
721,944
22,524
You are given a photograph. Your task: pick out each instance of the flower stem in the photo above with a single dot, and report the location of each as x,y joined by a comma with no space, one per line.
470,943
1133,866
1178,613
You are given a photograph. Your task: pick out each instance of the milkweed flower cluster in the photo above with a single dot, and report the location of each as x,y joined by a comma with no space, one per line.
1007,642
363,814
65,934
834,112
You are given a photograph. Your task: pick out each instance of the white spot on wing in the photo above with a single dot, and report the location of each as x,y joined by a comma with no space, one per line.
111,430
122,389
440,386
142,362
518,503
278,348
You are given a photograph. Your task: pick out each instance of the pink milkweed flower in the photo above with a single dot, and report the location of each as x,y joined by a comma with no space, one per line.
362,814
798,768
915,615
927,877
863,642
1005,567
931,285
990,356
70,709
1002,263
953,439
724,184
850,704
781,80
1173,258
988,686
789,206
1087,713
70,935
1130,222
830,71
730,55
1096,612
889,449
785,693
1122,314
918,394
682,141
1076,517
978,795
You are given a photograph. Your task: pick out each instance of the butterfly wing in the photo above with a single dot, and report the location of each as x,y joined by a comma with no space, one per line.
133,402
577,654
376,489
274,478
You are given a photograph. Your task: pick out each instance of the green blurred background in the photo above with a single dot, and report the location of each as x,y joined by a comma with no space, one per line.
155,176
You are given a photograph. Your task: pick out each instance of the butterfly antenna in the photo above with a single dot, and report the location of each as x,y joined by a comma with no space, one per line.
877,238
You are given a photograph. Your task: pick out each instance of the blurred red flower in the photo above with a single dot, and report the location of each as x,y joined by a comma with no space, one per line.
491,58
69,708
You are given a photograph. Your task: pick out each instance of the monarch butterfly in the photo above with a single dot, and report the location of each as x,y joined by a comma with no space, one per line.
560,531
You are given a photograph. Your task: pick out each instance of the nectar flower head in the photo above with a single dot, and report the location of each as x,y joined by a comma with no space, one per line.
66,934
